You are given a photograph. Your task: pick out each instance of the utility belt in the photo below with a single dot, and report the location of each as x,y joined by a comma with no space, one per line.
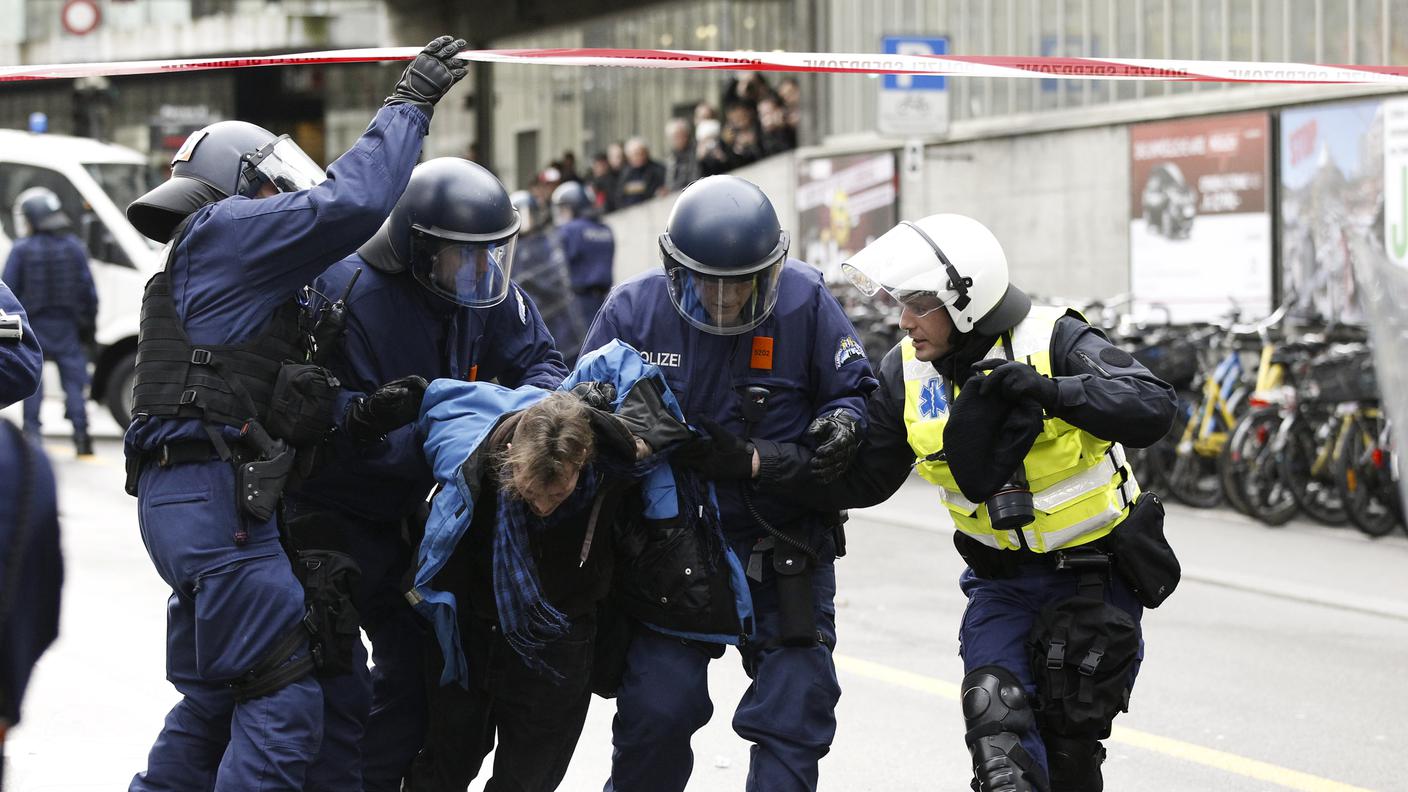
592,291
263,467
1136,549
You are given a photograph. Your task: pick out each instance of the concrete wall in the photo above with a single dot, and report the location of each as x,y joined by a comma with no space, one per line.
1057,201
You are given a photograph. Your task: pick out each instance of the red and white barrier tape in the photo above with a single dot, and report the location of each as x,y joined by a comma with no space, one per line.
830,62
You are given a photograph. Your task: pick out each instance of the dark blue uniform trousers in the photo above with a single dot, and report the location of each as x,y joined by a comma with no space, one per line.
788,712
998,621
229,605
375,721
59,337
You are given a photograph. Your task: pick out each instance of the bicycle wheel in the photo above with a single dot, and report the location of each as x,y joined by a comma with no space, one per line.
1317,497
1249,441
1365,487
1265,490
1194,479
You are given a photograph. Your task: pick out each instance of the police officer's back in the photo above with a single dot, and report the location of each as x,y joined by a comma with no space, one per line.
589,245
228,400
48,270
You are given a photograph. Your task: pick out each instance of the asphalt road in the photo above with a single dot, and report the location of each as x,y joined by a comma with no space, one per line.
1275,665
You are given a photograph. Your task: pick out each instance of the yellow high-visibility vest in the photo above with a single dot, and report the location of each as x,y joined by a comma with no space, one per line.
1082,486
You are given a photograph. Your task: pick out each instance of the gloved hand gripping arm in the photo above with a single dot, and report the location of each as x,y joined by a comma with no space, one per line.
393,405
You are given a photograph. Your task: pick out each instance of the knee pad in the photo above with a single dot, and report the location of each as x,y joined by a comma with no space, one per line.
996,713
1074,762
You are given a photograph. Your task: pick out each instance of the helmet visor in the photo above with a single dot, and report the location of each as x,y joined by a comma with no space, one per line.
474,274
724,305
283,164
908,265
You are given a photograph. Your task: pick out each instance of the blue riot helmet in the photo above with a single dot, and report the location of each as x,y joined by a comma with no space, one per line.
38,209
224,159
723,250
570,200
454,229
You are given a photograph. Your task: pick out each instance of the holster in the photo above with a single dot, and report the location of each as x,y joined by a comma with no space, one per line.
331,619
796,600
259,483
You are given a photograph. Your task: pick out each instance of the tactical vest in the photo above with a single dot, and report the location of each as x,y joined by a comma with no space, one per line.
225,384
1081,485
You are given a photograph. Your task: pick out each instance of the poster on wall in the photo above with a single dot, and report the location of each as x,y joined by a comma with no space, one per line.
1332,200
1199,223
843,204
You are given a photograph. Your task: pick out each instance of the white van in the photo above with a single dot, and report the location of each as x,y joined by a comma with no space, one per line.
95,182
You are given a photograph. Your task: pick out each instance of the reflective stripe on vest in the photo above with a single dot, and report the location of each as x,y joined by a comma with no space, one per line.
1081,485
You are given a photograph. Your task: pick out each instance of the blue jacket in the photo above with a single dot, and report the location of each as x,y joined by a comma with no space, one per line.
21,361
240,258
590,248
396,328
456,418
817,366
49,274
26,485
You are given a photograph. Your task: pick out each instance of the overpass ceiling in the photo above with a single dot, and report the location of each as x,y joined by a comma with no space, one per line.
485,20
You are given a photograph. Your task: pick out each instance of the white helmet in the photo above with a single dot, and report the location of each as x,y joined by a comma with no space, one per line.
943,261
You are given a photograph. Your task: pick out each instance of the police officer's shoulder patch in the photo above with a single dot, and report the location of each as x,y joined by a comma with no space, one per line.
848,351
522,306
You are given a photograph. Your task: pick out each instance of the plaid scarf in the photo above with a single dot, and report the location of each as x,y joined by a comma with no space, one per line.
528,620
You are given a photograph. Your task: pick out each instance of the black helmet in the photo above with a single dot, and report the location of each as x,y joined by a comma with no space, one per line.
41,210
570,200
454,229
224,159
723,251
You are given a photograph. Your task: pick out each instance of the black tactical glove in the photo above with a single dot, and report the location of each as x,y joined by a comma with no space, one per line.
598,395
837,437
430,76
87,331
389,407
1014,381
721,455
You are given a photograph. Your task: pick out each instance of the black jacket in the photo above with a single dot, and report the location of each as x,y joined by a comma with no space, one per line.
1103,390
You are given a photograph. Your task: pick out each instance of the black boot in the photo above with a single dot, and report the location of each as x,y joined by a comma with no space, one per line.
83,444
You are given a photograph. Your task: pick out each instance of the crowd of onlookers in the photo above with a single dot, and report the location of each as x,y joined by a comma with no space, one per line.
758,120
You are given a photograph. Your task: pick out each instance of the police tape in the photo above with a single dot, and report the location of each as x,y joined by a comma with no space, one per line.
822,62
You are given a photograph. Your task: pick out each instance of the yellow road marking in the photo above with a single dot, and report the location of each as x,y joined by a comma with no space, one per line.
1197,754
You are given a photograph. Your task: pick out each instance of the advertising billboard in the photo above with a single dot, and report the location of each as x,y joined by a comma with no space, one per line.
1332,194
843,203
1199,221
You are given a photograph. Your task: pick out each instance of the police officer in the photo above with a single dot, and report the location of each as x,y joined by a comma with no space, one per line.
48,269
1018,414
428,296
757,351
29,527
223,397
21,358
589,244
31,564
541,270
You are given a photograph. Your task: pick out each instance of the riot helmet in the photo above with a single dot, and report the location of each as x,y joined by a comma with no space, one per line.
38,209
224,159
454,229
723,251
526,204
569,201
943,261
